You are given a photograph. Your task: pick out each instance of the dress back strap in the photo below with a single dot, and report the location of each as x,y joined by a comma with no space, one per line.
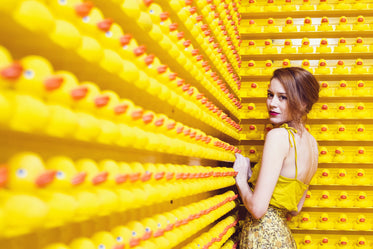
291,132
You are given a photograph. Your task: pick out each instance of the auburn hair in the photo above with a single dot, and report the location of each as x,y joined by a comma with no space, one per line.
302,89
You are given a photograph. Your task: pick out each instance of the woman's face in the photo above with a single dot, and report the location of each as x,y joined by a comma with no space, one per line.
277,103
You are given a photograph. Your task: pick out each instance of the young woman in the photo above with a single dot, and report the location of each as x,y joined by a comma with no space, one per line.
289,161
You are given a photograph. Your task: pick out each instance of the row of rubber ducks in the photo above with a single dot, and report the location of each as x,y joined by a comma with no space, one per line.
270,25
320,67
342,88
61,190
324,46
347,154
164,230
108,46
341,199
331,221
34,75
332,242
306,5
325,132
358,110
342,177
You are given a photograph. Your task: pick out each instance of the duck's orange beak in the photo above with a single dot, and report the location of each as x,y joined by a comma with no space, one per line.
118,246
79,178
83,9
3,175
100,178
44,179
12,72
53,83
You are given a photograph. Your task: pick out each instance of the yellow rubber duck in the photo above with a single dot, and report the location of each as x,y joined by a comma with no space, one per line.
307,25
341,47
288,6
324,111
306,5
358,67
343,178
253,154
362,243
358,5
342,25
362,201
324,26
252,70
9,71
88,24
323,5
62,122
361,223
324,155
339,155
306,221
361,155
307,243
361,178
340,68
360,24
288,47
289,25
324,133
324,244
343,222
361,89
344,201
325,90
360,133
361,111
83,96
323,48
306,65
268,47
59,86
35,16
342,111
252,6
268,70
271,26
35,70
310,201
253,133
344,243
342,133
325,178
286,63
271,6
252,49
253,28
322,67
359,46
324,223
305,47
326,200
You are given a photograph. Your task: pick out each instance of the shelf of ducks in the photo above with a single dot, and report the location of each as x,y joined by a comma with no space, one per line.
311,27
164,42
299,9
331,241
59,190
324,70
339,178
310,48
162,229
94,57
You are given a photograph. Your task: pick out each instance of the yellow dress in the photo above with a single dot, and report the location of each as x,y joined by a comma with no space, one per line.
272,231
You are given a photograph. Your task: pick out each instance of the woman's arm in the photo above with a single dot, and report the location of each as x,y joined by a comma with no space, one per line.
276,148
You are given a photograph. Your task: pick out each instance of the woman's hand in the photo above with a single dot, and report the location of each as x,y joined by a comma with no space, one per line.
242,166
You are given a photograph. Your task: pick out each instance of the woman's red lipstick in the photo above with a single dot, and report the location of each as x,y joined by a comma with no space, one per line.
273,113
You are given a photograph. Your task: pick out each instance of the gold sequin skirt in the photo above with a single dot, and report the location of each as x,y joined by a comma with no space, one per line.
269,232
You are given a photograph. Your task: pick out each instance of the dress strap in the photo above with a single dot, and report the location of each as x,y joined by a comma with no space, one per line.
291,132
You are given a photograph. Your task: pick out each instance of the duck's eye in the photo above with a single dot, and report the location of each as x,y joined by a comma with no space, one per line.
108,34
62,2
134,233
22,173
147,229
86,19
151,11
60,175
101,246
29,74
119,239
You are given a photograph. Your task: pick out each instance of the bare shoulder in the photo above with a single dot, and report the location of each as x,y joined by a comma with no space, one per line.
278,136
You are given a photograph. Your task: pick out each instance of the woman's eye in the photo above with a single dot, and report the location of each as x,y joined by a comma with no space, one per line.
283,97
269,95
